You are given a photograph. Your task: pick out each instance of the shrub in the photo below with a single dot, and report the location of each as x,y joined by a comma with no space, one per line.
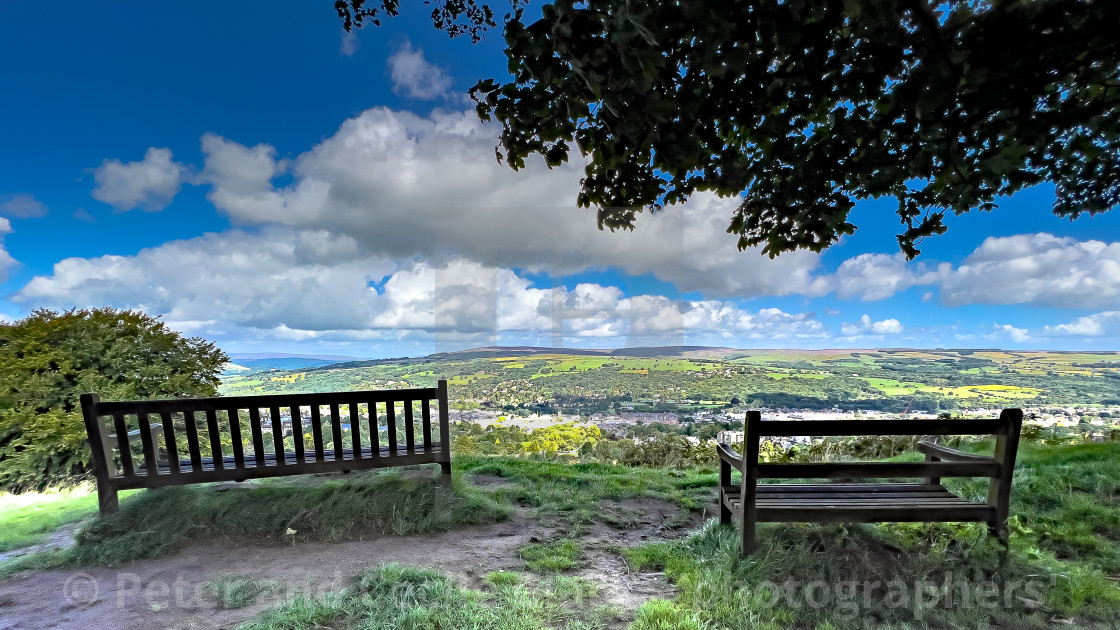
48,359
668,450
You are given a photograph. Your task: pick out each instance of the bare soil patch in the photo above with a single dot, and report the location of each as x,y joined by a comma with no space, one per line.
62,538
171,592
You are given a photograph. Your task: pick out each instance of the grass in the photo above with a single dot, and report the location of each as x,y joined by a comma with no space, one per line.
234,591
394,596
160,522
30,518
543,557
571,496
1062,566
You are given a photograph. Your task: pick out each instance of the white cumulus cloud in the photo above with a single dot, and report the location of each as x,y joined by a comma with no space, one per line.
414,76
149,184
889,326
1018,335
878,276
405,185
1036,269
290,285
1095,325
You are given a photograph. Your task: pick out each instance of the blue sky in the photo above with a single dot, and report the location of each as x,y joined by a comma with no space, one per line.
260,179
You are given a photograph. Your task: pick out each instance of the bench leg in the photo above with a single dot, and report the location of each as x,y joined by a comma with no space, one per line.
724,482
106,498
445,474
749,543
998,530
933,481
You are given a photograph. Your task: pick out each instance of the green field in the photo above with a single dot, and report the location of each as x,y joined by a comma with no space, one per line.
886,380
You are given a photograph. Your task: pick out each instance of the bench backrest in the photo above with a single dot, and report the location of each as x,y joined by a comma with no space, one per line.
999,467
1006,430
241,432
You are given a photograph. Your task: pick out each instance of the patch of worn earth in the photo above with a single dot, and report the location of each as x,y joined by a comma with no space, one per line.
171,592
62,538
491,482
634,522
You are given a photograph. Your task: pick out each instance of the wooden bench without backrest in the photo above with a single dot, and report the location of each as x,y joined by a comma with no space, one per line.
236,453
868,502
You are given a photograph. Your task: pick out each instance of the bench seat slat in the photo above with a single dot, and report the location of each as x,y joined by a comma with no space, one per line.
807,496
885,492
853,486
876,514
859,505
833,470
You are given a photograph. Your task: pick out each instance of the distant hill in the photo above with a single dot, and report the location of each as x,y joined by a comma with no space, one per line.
524,351
691,379
249,362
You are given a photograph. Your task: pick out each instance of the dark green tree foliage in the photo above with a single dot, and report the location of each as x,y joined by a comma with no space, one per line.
805,106
49,359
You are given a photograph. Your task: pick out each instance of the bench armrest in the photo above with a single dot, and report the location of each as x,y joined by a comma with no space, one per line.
730,456
951,455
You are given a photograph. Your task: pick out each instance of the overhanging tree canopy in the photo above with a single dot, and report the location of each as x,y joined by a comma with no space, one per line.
805,106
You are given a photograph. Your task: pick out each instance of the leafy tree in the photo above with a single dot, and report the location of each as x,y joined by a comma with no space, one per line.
49,359
803,107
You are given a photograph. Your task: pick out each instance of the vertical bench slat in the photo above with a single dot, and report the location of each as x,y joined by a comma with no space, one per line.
336,431
426,420
172,447
122,445
150,466
235,436
409,429
258,436
191,427
317,431
355,431
374,438
277,434
215,439
297,432
391,426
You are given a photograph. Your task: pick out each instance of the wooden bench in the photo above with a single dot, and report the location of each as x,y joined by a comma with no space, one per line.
894,501
243,437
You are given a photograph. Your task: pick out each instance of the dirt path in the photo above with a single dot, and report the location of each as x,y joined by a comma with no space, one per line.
170,592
